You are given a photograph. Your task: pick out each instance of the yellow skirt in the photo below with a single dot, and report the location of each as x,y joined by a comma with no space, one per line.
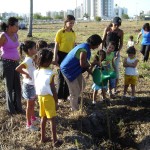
47,106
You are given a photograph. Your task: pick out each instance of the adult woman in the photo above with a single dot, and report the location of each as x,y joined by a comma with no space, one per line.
74,64
113,33
145,44
64,42
10,59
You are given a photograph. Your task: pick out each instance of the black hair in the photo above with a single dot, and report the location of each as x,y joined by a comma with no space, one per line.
131,50
68,18
45,55
131,37
26,46
98,54
11,22
146,25
94,40
112,43
41,44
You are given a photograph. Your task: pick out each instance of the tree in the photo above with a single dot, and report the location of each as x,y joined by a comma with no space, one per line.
86,15
58,17
37,16
125,16
98,19
30,19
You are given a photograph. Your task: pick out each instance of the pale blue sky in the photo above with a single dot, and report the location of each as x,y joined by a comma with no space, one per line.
22,6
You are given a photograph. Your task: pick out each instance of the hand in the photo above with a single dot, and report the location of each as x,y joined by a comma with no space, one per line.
137,42
55,63
87,76
27,76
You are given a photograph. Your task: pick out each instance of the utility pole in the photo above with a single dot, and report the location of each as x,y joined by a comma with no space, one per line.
30,19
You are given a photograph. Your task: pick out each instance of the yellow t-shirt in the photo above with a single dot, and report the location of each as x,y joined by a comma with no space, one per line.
66,40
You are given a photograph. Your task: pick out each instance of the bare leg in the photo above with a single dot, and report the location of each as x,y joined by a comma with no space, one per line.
133,89
29,111
95,95
125,89
32,111
43,125
104,93
53,129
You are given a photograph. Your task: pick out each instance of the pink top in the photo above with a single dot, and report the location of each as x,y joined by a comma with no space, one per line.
9,49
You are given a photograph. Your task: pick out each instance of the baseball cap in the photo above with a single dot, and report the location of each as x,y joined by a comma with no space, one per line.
117,20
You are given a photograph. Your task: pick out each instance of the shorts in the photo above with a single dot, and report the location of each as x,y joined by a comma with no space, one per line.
112,83
97,87
129,79
28,91
47,106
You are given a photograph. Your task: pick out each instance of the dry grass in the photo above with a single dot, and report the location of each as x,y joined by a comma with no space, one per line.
129,122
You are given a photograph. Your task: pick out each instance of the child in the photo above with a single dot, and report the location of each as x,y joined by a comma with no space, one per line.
26,68
130,42
41,44
45,89
110,66
99,58
131,72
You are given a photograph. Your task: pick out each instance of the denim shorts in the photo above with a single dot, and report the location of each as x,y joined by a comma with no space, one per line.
28,91
97,87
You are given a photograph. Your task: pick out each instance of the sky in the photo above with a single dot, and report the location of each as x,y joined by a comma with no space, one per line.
42,6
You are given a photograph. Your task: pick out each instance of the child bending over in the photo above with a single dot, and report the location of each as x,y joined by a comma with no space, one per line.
99,58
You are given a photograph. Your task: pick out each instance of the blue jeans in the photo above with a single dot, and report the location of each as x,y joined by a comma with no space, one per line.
117,65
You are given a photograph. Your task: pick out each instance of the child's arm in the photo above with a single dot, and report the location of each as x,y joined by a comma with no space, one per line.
125,63
139,35
134,64
21,68
52,85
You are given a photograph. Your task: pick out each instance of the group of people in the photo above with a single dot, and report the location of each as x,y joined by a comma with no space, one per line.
73,60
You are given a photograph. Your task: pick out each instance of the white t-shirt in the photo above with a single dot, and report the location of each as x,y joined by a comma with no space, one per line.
42,79
30,68
131,70
130,43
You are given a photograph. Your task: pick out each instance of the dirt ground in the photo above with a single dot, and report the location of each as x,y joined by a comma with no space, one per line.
122,125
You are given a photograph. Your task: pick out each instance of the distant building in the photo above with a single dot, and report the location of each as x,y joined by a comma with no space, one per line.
7,15
101,8
118,11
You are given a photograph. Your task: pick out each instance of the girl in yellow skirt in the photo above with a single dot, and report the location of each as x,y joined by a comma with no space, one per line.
47,97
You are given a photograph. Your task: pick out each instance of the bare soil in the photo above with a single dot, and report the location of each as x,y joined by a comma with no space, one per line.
122,125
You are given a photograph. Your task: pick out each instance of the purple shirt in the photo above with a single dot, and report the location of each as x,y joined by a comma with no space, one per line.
9,49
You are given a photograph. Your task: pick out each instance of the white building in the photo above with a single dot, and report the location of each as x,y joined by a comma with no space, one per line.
119,11
101,8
